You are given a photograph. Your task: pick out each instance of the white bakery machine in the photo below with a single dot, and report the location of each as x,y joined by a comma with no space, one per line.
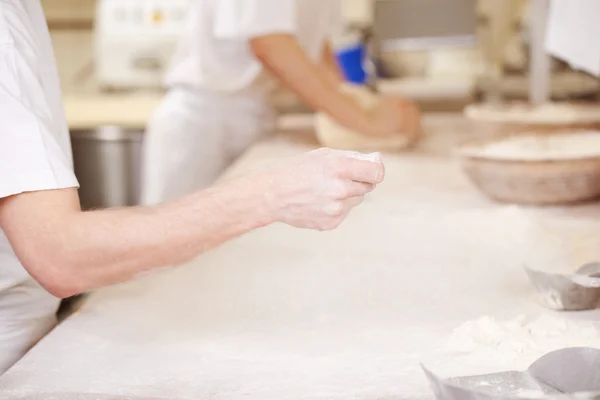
135,39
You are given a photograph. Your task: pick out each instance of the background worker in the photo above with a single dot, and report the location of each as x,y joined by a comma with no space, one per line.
232,55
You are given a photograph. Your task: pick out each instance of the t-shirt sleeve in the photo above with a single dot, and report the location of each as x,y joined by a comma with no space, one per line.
31,158
245,19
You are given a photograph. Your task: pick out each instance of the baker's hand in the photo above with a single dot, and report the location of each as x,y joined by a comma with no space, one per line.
394,116
318,189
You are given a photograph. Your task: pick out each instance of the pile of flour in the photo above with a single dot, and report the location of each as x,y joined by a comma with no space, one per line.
573,145
516,344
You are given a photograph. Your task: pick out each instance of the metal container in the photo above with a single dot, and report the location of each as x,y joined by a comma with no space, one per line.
107,163
423,25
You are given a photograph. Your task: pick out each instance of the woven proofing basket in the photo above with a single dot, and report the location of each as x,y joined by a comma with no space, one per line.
549,182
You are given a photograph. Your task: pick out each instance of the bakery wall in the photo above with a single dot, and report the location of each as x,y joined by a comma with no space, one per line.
71,21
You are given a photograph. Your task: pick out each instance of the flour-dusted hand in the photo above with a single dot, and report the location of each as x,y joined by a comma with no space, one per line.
317,190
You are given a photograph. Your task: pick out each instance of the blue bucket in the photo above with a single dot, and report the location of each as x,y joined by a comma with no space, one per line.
351,60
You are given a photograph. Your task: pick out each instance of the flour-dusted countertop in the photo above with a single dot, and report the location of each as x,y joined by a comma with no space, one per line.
283,313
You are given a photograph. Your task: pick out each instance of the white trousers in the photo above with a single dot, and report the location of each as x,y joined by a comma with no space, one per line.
194,136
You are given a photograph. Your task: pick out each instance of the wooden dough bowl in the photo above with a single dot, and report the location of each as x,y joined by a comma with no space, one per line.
535,182
505,119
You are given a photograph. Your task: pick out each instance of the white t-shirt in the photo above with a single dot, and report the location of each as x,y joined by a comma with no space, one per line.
35,154
214,52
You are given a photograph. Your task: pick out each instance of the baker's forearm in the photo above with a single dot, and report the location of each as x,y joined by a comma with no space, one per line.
69,251
191,225
78,251
284,58
330,67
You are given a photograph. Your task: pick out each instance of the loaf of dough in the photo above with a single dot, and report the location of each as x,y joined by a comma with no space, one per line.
332,134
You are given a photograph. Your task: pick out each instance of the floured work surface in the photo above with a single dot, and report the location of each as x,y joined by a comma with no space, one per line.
283,313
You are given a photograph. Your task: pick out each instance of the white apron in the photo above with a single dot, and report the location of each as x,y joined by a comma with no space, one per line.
193,137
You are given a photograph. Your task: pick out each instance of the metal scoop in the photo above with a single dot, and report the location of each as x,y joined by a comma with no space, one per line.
572,373
575,292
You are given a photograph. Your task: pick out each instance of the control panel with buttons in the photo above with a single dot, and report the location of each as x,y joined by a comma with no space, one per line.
134,40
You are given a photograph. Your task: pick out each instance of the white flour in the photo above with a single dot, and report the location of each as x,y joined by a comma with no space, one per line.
566,146
516,344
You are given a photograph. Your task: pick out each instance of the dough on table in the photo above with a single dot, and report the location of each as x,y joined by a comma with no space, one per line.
332,134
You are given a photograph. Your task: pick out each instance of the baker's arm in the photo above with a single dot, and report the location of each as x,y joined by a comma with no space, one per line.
330,67
282,55
284,58
69,251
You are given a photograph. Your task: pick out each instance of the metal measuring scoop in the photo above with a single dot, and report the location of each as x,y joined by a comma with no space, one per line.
571,373
574,292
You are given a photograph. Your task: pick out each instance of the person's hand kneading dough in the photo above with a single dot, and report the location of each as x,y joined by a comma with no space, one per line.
396,123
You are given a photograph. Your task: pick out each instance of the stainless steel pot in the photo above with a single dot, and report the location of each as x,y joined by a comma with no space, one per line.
107,163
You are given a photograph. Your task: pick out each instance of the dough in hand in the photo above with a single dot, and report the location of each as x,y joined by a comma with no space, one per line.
331,134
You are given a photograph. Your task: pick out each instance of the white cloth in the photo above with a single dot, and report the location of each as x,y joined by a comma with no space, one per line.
35,154
192,137
572,33
217,105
